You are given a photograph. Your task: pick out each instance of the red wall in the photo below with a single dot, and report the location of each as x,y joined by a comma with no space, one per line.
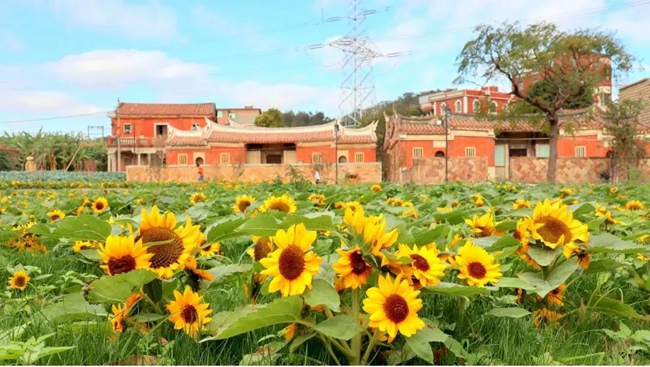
594,148
484,148
145,126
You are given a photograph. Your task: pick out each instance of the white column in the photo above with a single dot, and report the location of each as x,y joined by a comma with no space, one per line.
109,163
139,163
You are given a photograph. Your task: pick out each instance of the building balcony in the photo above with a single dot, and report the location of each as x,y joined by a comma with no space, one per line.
112,141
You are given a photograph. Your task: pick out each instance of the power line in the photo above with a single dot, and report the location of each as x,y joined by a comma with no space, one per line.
55,117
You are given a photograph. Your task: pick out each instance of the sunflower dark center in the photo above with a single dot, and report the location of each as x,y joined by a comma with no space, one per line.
280,206
396,308
261,249
477,270
552,229
121,265
483,231
291,262
357,263
189,314
99,205
420,263
165,254
243,205
19,280
85,247
55,216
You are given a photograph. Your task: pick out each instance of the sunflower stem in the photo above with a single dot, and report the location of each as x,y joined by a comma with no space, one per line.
149,301
356,340
329,349
369,348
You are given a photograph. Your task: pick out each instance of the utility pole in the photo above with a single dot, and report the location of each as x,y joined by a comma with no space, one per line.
119,133
447,114
336,152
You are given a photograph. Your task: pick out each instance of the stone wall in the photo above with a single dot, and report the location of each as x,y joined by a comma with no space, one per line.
569,170
364,172
432,170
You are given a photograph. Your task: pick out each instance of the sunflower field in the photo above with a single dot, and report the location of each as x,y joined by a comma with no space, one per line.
225,273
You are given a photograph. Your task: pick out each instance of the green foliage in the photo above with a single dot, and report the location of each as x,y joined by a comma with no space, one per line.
270,118
627,141
302,118
568,64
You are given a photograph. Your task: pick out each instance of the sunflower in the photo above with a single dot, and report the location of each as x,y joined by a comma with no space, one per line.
283,204
482,226
613,190
553,225
477,266
242,203
197,197
188,313
100,205
353,205
426,267
262,247
121,312
393,307
634,205
521,203
556,296
197,274
56,214
318,198
123,254
552,317
209,249
602,211
374,233
293,264
19,280
84,245
178,242
352,268
478,200
583,259
375,188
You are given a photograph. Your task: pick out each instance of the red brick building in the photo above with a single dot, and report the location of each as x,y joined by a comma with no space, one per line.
411,138
187,134
465,101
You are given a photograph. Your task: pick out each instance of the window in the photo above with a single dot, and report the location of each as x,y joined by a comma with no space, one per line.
418,152
232,116
477,106
493,107
504,107
316,158
470,152
195,127
219,114
127,161
542,150
224,158
182,159
443,108
127,128
358,157
581,152
458,106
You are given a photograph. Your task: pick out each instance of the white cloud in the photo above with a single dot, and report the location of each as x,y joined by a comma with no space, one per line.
146,20
120,68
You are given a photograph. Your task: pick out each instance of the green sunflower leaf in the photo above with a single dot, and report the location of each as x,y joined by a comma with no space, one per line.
608,243
117,288
452,289
283,310
513,312
544,256
323,293
420,346
340,327
611,307
83,228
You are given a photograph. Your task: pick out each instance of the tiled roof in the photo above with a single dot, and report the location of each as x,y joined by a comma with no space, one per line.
429,125
264,137
167,110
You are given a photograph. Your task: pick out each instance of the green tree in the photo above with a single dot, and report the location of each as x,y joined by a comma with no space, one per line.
270,118
568,63
626,140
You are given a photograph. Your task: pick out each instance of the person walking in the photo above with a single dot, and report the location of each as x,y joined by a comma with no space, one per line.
201,178
317,177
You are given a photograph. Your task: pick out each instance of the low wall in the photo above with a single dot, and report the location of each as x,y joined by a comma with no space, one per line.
365,172
569,170
432,170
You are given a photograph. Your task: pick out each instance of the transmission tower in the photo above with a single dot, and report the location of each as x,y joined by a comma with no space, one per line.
358,86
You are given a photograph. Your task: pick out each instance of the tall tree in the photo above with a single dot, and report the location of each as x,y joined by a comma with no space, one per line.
270,118
626,135
569,64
